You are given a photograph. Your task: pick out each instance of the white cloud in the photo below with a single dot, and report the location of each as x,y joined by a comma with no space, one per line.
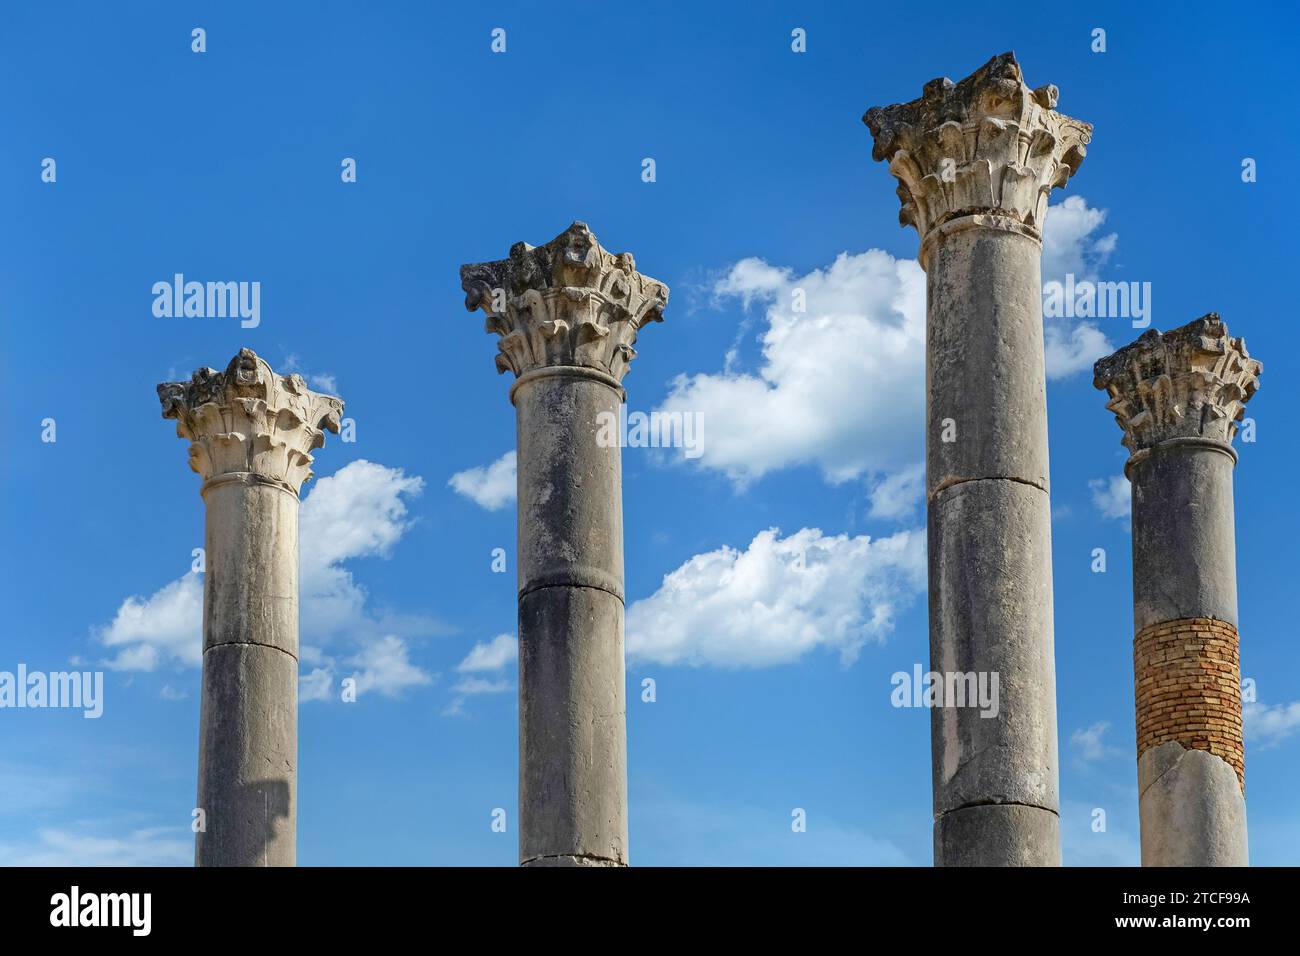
779,599
166,627
485,657
316,684
1266,726
1069,243
491,486
896,496
161,846
360,511
1113,496
864,324
386,668
1072,349
1088,743
1071,247
491,655
840,386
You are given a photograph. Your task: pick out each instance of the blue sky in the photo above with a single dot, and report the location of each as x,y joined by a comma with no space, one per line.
225,165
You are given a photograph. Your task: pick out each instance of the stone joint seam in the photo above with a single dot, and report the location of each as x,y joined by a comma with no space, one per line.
949,483
209,647
545,586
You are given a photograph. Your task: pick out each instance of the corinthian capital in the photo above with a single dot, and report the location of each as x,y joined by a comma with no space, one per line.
248,419
1191,382
988,144
568,302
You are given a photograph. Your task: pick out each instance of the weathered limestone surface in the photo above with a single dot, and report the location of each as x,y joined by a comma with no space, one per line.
1178,397
975,162
252,433
1191,809
568,313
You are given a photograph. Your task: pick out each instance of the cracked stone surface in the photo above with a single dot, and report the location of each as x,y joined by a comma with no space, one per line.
1192,809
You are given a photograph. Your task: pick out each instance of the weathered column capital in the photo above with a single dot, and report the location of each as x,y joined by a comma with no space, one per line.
987,146
248,420
1192,382
566,303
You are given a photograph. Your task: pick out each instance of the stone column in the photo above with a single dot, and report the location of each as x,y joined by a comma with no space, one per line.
568,313
252,433
975,162
1178,397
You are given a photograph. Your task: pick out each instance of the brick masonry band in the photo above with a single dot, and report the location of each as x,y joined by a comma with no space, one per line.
1178,396
1187,684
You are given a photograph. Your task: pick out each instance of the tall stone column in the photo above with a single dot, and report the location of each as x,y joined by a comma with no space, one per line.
252,433
1178,397
568,313
975,162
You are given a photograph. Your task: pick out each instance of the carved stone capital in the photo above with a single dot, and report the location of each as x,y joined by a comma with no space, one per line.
568,302
248,419
988,145
1191,382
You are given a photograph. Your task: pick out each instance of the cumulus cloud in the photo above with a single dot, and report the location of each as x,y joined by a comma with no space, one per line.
1113,496
166,627
385,667
489,486
779,599
864,323
360,511
1265,726
840,379
1072,246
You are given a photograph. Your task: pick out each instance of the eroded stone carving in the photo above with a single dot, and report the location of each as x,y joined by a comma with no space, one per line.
568,302
986,145
250,419
1193,381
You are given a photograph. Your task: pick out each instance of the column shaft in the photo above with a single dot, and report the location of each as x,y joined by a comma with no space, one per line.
568,313
1186,670
248,736
1178,396
572,707
990,554
251,433
976,161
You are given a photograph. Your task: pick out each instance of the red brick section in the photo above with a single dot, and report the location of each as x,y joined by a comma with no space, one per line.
1187,683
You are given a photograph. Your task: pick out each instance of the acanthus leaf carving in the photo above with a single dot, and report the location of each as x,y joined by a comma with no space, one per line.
1190,382
568,302
986,145
250,419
